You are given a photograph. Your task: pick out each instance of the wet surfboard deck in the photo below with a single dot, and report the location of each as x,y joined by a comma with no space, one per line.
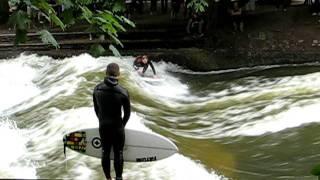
139,146
149,77
152,79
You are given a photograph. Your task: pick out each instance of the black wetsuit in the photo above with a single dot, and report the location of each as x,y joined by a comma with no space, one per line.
138,63
109,98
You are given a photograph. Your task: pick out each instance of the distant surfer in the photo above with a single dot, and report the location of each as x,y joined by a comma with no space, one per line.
143,62
109,98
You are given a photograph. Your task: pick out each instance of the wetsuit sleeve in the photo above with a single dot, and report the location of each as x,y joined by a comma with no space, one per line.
136,65
145,67
126,109
152,67
95,104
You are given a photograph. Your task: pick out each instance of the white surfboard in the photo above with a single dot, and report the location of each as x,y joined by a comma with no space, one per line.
139,146
152,79
149,77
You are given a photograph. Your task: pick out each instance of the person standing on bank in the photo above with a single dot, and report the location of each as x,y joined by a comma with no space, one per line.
237,17
109,98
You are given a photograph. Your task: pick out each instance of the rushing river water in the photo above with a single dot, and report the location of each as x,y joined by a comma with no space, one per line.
253,123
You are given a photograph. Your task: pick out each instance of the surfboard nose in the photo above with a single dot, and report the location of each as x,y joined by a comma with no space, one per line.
174,146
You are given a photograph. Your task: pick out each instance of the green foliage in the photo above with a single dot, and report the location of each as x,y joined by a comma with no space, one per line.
107,23
19,19
316,171
21,36
47,38
51,15
199,6
118,6
86,13
97,50
67,4
14,2
67,17
54,18
103,21
114,50
127,21
84,2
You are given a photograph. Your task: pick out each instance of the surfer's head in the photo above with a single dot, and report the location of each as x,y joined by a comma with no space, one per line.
142,59
145,59
113,70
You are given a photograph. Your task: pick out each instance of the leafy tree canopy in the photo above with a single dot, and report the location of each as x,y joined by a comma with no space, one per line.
102,17
199,6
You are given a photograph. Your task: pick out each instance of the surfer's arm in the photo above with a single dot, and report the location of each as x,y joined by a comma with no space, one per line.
145,67
126,110
135,65
95,104
153,69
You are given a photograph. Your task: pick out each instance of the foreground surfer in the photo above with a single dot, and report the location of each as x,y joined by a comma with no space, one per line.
143,62
108,98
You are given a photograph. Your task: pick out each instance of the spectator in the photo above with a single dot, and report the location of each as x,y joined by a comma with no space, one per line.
315,7
153,6
164,6
56,7
138,5
175,8
129,8
187,11
195,25
237,17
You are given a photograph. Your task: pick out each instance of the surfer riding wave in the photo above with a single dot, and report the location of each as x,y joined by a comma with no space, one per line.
143,62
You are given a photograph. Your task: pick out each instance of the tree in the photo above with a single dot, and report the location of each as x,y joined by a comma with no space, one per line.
198,6
106,19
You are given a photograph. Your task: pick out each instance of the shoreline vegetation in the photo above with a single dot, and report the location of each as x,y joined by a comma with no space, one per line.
270,36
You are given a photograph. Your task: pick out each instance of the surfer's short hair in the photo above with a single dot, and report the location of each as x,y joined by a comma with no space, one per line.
113,70
139,58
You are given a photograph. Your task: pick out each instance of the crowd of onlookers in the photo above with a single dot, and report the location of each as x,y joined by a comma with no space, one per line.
178,9
238,12
236,9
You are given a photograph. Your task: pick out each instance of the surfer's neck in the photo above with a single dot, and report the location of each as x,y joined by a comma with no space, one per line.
111,80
